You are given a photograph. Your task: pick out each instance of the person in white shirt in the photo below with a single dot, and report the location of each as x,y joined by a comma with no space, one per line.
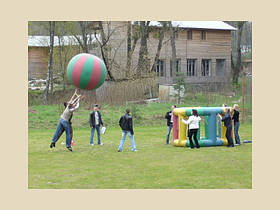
193,122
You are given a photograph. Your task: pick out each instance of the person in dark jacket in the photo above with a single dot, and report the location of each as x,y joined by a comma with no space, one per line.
235,119
126,125
95,121
227,122
169,118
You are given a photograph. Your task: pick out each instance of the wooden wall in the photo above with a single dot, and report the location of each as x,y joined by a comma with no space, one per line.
216,46
38,62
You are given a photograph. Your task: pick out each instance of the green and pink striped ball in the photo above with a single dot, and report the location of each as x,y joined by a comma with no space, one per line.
86,71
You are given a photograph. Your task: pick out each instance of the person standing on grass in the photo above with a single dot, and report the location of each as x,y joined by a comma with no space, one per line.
70,127
235,119
193,122
227,122
169,118
72,105
95,121
126,125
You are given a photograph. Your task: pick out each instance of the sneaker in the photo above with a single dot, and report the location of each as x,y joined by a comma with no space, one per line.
135,150
92,145
52,145
119,150
70,149
101,144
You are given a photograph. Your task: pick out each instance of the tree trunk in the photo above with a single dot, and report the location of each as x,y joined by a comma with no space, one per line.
49,76
129,54
83,26
161,36
60,62
236,69
143,52
173,46
104,51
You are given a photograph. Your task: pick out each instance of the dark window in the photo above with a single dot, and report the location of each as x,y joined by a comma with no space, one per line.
178,66
190,35
220,67
203,35
205,67
191,67
160,68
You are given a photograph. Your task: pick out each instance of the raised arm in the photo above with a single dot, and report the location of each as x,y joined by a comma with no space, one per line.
72,98
186,121
76,106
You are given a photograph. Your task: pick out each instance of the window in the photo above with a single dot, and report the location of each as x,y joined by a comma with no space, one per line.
205,67
190,67
160,68
189,35
178,66
203,35
220,67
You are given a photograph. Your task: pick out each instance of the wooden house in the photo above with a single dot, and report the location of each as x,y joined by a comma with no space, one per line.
203,51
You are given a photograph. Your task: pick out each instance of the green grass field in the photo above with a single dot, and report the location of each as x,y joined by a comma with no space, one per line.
154,166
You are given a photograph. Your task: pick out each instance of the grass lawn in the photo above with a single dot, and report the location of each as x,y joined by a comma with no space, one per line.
154,166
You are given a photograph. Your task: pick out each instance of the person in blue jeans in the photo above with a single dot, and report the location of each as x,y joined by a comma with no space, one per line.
227,122
72,105
169,118
95,122
70,126
235,119
126,125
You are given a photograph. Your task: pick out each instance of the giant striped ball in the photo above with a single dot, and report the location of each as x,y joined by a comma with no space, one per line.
86,71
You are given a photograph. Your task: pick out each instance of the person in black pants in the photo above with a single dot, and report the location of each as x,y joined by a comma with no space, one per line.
169,118
227,122
193,122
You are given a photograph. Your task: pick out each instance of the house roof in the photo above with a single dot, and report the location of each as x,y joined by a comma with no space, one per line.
218,25
44,41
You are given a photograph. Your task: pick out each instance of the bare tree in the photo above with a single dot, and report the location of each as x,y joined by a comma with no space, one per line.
143,62
173,45
129,54
236,68
84,41
160,40
50,75
133,34
103,44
